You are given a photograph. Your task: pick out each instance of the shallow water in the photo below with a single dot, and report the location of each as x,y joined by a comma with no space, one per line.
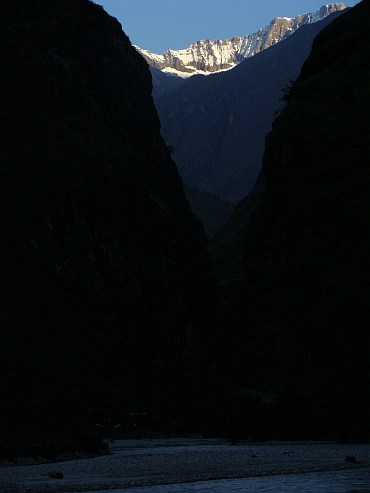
349,481
192,465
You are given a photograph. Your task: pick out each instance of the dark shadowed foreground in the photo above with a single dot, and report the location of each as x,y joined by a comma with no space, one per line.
107,300
104,275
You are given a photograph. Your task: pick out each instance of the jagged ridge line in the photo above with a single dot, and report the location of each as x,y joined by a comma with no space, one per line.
207,56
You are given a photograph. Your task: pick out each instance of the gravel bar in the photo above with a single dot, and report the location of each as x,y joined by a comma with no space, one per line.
166,461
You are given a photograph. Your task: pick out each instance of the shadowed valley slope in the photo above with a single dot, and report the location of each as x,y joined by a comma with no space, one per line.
104,278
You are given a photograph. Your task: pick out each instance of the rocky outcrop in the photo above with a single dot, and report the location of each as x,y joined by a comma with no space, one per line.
55,474
209,56
104,270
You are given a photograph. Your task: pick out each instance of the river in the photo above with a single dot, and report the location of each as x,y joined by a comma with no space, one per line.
355,481
195,465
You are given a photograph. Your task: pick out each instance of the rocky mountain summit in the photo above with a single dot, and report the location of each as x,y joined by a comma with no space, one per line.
208,56
217,124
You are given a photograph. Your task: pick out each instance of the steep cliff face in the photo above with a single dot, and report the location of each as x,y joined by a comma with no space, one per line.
302,319
209,56
104,271
218,123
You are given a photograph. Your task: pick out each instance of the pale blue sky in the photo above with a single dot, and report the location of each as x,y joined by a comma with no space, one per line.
157,25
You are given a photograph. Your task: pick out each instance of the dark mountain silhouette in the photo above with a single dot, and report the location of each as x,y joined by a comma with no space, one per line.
107,303
218,123
104,278
296,349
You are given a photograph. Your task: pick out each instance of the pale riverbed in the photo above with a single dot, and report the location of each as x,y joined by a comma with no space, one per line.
355,481
202,466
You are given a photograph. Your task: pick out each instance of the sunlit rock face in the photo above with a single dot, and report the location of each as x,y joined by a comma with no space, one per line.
218,123
207,56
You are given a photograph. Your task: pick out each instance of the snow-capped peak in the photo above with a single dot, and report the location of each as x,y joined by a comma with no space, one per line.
207,56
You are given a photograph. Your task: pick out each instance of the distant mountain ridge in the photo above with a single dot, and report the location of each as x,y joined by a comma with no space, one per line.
207,56
217,124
